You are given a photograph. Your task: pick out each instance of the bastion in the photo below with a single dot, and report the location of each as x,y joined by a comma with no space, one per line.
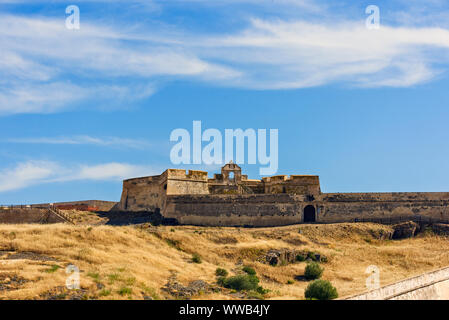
231,199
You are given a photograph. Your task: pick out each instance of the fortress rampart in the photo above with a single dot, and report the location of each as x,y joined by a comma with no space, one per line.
29,215
231,199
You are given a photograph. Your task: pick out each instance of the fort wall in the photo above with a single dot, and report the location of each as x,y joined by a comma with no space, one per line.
340,207
180,182
283,209
31,215
86,205
234,210
143,194
149,193
295,184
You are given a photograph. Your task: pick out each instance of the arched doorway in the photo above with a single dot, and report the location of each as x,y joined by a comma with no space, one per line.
309,214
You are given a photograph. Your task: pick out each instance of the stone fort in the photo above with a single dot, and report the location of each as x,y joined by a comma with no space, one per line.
231,199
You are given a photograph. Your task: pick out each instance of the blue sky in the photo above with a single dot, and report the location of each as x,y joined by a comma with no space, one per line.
80,110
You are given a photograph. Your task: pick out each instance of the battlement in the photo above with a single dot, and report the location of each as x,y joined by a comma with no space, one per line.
293,177
184,175
274,178
143,180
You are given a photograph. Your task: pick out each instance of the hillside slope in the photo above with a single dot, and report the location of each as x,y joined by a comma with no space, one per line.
136,262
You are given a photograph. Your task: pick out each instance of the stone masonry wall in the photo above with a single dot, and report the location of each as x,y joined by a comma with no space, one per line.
16,216
149,193
235,210
284,209
338,207
142,194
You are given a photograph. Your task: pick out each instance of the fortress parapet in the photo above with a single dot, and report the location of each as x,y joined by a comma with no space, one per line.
295,184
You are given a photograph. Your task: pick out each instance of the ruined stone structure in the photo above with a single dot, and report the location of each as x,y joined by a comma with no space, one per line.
231,199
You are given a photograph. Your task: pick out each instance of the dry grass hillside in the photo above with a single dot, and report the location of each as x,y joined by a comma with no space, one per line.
136,262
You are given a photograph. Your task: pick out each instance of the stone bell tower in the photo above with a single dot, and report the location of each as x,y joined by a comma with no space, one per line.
231,173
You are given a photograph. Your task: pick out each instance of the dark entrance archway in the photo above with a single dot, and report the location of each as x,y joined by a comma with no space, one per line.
309,214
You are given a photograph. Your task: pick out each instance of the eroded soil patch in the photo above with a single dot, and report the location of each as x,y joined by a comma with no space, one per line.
62,293
29,256
9,282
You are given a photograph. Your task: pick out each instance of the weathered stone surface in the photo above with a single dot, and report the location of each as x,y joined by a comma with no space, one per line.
176,289
277,257
31,215
405,230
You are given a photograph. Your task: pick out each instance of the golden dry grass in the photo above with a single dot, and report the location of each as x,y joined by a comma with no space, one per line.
85,217
131,262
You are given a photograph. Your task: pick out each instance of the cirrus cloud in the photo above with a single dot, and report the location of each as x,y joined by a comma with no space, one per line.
30,173
48,68
85,140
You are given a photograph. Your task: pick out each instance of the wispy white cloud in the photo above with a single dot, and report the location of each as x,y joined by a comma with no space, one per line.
39,97
24,175
114,65
282,55
109,171
85,140
111,66
50,97
32,173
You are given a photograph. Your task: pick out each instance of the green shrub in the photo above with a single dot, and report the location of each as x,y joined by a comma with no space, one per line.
94,275
174,243
261,290
290,282
105,292
221,281
300,258
196,258
321,290
311,255
313,271
125,290
53,268
255,295
220,272
113,277
240,282
249,270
